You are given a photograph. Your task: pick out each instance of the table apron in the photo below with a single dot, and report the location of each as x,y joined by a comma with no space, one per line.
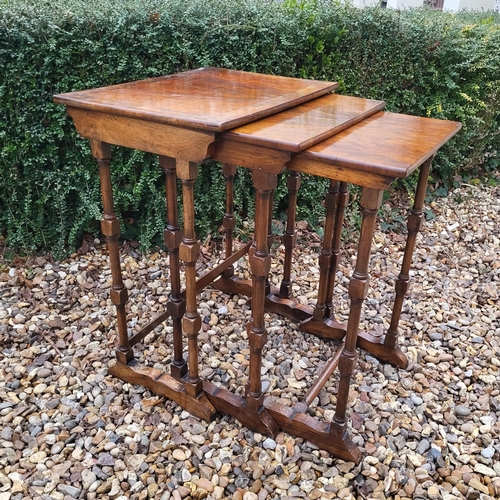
152,137
331,170
273,161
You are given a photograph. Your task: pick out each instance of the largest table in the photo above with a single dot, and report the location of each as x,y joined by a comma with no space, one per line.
268,124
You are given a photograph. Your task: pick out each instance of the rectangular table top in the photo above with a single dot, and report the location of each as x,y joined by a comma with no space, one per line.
212,99
303,126
386,144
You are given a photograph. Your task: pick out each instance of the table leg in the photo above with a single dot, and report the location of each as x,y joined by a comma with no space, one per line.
277,300
280,300
371,200
110,227
250,410
189,250
334,436
325,259
290,236
414,225
321,323
189,394
228,282
270,237
229,221
385,347
260,262
342,201
176,305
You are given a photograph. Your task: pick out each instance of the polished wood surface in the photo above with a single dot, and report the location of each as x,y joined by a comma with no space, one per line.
213,99
385,144
303,126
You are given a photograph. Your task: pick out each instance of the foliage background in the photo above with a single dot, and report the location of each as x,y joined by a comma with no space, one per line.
420,62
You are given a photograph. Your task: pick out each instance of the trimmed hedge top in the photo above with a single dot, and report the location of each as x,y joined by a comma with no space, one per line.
419,61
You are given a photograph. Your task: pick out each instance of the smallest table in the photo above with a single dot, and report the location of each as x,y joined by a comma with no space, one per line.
372,154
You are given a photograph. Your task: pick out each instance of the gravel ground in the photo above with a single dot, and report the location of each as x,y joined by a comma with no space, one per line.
68,430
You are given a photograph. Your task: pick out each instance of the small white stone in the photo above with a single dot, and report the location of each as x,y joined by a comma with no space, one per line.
483,469
269,444
179,455
38,457
88,477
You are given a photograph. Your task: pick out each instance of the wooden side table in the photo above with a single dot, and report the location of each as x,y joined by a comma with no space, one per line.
178,118
372,154
186,118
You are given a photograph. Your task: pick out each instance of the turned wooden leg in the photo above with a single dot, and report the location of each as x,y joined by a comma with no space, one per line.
371,200
260,262
270,237
229,221
322,322
176,305
325,259
414,225
290,236
188,252
187,390
110,227
342,201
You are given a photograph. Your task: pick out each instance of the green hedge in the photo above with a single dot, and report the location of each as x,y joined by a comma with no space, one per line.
420,62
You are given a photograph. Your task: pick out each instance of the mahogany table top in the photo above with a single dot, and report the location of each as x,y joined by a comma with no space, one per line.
303,126
386,144
212,99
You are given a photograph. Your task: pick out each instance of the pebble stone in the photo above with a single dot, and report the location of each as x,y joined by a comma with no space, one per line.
70,430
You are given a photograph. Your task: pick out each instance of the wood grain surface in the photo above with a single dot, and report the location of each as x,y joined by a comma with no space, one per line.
385,144
303,126
208,98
